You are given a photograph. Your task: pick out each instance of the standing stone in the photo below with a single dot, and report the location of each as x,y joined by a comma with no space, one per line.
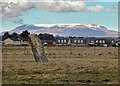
37,49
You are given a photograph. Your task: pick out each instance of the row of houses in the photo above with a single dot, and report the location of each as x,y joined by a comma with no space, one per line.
87,41
17,41
77,41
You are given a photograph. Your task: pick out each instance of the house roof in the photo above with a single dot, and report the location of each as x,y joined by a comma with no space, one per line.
23,39
47,41
78,38
17,38
14,39
64,38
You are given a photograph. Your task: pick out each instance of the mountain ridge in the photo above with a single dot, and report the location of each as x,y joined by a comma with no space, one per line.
67,29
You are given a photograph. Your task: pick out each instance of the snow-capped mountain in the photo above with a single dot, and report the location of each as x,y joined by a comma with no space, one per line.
85,30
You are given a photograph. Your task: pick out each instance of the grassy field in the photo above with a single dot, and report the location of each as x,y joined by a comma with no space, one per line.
81,65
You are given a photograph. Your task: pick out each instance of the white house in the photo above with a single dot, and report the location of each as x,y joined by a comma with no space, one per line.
24,41
16,41
12,41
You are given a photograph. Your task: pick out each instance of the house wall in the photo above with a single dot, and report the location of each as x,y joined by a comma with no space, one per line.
62,41
16,43
8,41
78,41
24,42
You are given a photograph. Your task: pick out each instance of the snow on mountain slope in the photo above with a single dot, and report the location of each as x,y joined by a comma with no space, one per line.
86,30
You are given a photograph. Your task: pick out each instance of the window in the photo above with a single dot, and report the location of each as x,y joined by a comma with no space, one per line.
78,41
75,41
58,41
103,41
112,41
96,41
64,41
81,41
100,41
91,41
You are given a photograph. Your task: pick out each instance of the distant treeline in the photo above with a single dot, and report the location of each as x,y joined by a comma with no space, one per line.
25,34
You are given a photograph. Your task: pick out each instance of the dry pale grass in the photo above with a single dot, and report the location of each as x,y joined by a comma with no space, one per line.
82,65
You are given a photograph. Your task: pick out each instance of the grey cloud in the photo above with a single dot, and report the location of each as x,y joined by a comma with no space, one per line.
13,10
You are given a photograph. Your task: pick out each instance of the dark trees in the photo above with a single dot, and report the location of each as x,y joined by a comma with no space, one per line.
25,34
46,36
6,35
14,35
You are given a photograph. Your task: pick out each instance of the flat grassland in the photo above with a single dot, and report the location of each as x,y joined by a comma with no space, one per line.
75,65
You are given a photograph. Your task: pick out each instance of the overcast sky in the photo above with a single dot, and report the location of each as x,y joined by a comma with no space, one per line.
59,11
